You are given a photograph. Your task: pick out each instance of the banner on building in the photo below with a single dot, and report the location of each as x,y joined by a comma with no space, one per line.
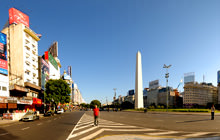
37,101
154,84
3,55
53,50
50,58
16,16
44,73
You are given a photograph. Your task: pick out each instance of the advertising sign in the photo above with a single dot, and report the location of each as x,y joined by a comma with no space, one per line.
69,71
44,73
48,56
154,84
131,92
37,101
53,50
218,76
16,16
3,54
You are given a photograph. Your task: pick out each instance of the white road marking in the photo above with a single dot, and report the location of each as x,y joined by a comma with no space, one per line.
25,128
74,128
196,134
85,123
83,132
93,135
39,124
82,127
4,134
118,126
162,133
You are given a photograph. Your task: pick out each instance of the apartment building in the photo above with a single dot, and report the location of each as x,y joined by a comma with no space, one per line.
22,44
199,94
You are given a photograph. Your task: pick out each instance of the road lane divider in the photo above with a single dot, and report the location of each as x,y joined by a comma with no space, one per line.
25,128
4,134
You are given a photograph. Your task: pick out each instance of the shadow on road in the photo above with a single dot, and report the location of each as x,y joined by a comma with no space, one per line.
193,121
5,135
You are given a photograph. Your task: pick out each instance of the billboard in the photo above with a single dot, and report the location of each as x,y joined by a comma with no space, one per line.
16,16
218,80
3,54
189,77
44,73
154,84
131,92
53,50
49,57
69,71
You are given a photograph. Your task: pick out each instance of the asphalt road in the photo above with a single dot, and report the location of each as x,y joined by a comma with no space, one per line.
49,128
79,125
166,121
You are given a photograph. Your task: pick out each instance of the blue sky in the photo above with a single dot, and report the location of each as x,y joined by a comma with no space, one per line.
100,39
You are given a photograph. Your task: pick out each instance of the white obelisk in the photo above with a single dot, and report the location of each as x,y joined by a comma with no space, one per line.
138,83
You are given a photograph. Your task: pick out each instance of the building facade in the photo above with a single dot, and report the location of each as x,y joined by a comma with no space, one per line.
199,94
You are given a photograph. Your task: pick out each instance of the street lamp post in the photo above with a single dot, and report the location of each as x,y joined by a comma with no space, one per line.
167,76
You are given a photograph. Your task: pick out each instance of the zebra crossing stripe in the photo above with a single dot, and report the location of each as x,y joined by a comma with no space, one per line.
80,124
196,134
162,133
111,126
74,128
82,132
78,128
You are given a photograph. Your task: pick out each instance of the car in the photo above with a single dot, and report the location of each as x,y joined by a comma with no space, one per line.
30,116
60,111
49,113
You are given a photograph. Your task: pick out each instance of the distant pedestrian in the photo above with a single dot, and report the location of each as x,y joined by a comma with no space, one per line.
96,115
212,112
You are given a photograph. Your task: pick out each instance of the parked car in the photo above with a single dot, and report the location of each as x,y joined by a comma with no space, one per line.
49,113
60,111
30,116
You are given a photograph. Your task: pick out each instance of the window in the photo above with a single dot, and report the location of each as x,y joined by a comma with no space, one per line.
4,88
28,80
27,35
27,55
27,48
27,72
27,63
34,52
26,41
34,74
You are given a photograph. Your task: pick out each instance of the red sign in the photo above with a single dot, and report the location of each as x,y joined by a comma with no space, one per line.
37,101
3,64
16,16
46,57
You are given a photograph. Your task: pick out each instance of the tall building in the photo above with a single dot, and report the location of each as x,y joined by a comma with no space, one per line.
22,44
199,94
77,96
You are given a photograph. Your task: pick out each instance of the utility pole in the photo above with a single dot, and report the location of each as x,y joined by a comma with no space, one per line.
167,76
114,98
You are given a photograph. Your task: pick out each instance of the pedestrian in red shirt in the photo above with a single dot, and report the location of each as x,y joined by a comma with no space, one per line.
96,115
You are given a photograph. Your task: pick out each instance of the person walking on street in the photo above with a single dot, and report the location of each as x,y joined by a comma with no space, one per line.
212,112
96,115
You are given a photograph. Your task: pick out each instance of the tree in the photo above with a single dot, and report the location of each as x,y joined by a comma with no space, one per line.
57,91
95,102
